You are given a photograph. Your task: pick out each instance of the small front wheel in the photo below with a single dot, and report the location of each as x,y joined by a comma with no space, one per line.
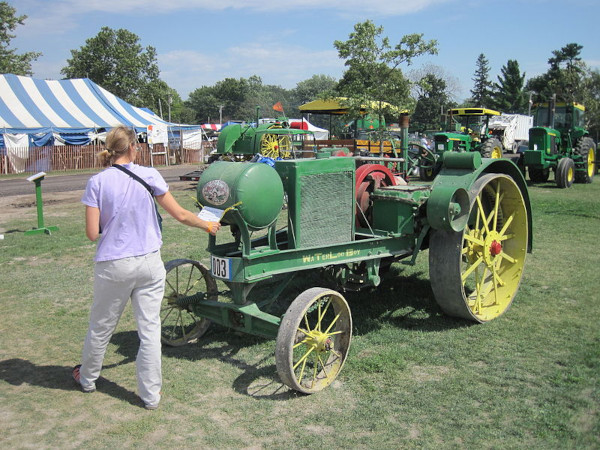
313,340
185,277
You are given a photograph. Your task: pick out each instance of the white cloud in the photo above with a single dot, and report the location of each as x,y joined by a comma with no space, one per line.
188,70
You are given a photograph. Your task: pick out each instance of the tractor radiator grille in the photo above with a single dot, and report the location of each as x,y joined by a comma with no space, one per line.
327,209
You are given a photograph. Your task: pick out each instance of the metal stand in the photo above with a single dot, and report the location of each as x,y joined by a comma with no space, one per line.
37,179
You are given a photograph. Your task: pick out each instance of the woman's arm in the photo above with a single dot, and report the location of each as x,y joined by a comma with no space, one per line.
168,202
92,222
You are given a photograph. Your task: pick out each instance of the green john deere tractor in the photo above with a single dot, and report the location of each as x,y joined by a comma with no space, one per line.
558,141
469,132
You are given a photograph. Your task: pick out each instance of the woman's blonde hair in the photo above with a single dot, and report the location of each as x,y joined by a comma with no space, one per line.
118,141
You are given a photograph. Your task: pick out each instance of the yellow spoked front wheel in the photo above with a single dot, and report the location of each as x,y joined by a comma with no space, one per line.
313,340
476,273
185,277
275,146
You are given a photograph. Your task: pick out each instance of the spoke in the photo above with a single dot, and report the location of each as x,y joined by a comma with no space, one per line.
471,269
303,341
168,314
496,206
332,323
480,209
304,357
306,323
497,277
510,259
473,239
314,377
301,372
324,312
507,224
479,288
323,366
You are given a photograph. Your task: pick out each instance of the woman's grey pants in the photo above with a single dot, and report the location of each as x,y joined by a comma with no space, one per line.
141,278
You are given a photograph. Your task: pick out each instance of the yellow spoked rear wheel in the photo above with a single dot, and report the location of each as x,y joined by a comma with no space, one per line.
313,340
185,277
476,273
275,146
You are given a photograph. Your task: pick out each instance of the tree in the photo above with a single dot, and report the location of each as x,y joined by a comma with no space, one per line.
591,100
10,60
482,88
509,94
564,77
432,99
373,67
310,89
115,60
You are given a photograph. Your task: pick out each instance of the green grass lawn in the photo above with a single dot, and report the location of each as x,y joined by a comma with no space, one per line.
414,377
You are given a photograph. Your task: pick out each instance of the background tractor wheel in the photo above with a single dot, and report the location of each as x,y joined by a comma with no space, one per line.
539,175
313,340
475,273
492,148
565,173
586,149
180,325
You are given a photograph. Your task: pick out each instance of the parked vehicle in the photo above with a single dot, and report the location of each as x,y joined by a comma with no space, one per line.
559,142
511,129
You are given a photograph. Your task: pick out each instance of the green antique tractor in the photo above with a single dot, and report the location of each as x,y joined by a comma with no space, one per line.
317,216
273,139
559,142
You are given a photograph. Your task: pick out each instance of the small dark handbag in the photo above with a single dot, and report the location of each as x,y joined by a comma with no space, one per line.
146,185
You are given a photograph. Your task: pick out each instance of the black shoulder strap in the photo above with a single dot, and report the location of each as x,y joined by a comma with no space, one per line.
135,177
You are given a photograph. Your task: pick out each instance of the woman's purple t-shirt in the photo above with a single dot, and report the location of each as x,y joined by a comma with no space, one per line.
127,216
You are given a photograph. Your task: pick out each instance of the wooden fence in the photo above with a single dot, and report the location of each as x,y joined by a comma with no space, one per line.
73,157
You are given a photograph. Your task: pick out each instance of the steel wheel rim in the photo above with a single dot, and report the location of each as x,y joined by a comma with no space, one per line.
497,153
493,249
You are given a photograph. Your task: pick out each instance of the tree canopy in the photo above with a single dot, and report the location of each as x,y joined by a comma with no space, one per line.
115,60
10,60
373,71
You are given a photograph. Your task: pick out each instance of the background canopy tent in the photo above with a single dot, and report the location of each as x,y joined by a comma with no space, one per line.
71,110
335,106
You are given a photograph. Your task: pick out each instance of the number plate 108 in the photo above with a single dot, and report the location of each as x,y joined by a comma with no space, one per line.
221,267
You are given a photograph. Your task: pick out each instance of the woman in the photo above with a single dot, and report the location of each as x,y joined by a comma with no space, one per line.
120,211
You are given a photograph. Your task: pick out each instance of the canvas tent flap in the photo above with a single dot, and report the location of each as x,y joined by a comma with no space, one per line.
67,107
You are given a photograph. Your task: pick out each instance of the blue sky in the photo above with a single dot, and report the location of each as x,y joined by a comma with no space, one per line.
200,42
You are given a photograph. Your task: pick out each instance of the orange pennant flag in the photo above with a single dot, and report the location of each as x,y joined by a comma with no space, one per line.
278,107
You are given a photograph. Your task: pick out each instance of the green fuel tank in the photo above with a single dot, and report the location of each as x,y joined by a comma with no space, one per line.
256,188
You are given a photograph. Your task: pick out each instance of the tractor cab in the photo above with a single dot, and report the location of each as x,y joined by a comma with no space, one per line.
468,130
566,118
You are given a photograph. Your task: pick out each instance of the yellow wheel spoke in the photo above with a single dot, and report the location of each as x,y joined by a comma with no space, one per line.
507,224
496,206
304,357
470,270
301,374
332,323
510,259
323,366
483,218
473,239
321,315
303,341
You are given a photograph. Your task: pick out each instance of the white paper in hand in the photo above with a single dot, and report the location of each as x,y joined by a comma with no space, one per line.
211,214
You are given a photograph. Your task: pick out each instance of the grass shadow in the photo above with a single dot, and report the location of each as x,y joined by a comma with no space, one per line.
19,371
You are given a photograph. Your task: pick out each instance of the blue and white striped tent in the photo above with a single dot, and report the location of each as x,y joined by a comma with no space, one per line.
70,110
